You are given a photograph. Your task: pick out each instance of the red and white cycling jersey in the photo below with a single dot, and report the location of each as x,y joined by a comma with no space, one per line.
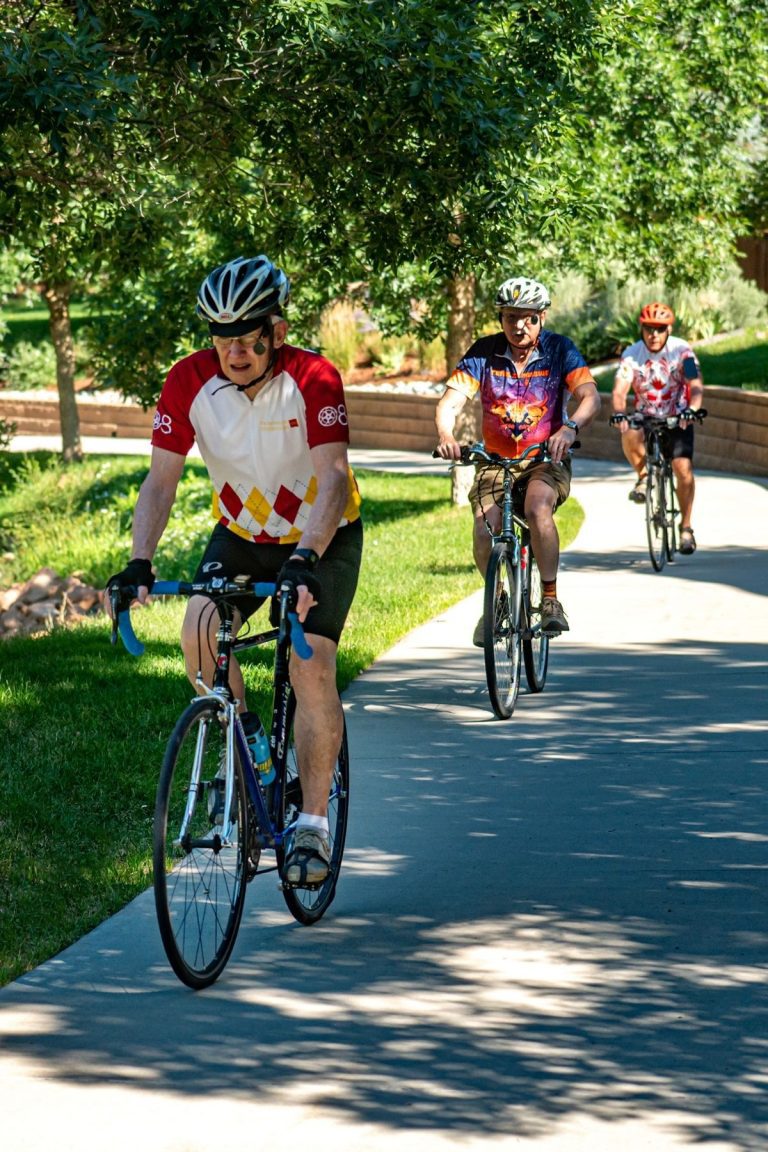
658,378
257,452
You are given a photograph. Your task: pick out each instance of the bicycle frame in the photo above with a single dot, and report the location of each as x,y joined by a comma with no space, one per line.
205,852
512,636
288,632
661,503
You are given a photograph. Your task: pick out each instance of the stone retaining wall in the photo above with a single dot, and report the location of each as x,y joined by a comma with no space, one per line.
734,437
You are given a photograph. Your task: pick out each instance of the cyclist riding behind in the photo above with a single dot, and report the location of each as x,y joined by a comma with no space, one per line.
270,422
525,376
664,374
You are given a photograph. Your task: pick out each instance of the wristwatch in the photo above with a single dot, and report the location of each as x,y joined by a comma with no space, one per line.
571,424
308,555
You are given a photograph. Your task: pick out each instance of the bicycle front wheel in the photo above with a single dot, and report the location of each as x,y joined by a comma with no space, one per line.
502,640
307,905
672,513
199,878
535,642
656,517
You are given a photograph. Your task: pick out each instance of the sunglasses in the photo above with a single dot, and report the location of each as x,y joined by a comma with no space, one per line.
529,321
224,343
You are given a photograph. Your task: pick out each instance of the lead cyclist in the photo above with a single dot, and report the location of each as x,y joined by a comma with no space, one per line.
270,422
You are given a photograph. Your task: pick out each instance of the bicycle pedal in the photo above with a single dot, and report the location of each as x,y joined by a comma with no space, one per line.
286,886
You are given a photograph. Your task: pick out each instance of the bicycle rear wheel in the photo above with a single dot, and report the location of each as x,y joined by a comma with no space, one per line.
535,642
656,516
502,640
307,905
199,879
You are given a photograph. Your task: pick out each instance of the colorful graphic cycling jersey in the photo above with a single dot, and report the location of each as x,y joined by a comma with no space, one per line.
257,452
658,378
525,408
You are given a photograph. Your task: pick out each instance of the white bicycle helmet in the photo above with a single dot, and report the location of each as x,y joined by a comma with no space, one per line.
239,292
519,292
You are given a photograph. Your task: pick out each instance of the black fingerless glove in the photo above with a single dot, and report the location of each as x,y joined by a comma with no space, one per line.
617,418
295,572
136,574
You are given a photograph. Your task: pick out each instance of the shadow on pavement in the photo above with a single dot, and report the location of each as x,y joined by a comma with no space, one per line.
562,914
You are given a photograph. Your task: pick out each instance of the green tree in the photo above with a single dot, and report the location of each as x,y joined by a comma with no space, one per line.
669,110
398,144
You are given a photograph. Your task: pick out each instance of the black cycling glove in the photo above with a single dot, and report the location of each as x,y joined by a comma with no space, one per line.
136,574
295,572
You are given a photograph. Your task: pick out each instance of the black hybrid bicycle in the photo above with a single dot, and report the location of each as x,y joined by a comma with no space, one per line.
216,825
513,636
662,509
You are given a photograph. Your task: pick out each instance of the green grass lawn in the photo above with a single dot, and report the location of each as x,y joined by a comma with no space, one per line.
33,324
85,724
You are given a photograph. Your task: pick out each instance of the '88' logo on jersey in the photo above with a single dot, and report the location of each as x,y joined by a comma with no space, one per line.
162,423
329,416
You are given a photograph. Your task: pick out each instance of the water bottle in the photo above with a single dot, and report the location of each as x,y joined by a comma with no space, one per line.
258,743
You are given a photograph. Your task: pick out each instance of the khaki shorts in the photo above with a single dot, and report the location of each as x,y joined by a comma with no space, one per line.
488,486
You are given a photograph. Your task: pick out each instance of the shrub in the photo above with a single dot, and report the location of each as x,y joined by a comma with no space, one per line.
31,366
7,432
432,355
340,334
602,319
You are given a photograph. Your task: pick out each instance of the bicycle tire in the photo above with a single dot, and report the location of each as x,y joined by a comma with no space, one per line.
535,642
656,516
672,512
502,639
199,881
308,905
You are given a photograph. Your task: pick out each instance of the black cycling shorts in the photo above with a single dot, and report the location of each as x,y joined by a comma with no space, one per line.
337,570
677,443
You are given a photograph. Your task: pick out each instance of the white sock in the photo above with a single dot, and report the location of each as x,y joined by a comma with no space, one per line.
306,820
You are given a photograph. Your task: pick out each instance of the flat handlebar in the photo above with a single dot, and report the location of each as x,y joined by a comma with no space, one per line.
641,419
472,453
216,588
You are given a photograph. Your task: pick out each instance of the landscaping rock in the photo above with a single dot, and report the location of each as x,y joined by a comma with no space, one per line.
46,601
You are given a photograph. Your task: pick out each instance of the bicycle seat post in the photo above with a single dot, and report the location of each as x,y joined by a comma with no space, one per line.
224,640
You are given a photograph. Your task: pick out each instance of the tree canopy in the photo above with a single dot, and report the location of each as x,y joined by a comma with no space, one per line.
400,143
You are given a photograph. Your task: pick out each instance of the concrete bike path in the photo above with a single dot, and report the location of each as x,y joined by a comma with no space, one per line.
550,933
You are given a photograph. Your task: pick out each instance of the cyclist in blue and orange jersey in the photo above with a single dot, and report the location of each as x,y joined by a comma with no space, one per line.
526,376
270,422
664,374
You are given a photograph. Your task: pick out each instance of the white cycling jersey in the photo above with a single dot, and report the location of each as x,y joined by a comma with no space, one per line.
658,378
257,452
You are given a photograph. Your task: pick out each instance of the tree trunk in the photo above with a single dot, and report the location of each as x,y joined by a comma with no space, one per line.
461,319
461,329
57,297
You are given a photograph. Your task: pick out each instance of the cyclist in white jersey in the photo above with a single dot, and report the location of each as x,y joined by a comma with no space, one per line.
664,374
270,422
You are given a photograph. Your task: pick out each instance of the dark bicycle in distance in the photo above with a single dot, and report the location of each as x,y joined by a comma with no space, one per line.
513,635
662,508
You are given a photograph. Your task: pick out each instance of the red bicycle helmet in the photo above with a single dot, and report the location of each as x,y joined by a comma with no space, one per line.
657,315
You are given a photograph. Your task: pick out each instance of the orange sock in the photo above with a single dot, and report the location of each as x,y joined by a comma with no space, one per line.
549,588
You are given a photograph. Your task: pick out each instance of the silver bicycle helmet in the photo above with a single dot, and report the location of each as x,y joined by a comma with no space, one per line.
519,292
239,292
